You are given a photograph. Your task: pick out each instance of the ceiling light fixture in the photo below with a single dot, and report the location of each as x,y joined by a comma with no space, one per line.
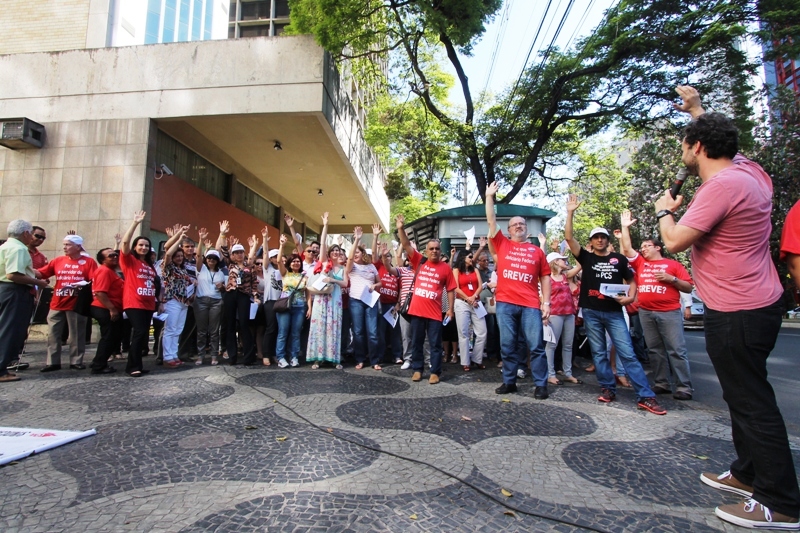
277,145
319,192
344,217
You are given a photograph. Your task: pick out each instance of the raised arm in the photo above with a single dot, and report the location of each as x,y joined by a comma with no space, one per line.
399,222
491,218
173,245
252,241
281,258
175,236
691,103
125,245
625,244
298,245
351,254
202,237
376,232
323,239
572,204
222,240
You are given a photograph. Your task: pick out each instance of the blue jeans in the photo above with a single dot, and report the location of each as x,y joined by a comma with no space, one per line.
517,323
613,322
420,327
290,323
365,331
388,335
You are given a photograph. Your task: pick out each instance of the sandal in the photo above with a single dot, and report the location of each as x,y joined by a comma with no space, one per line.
590,368
479,366
199,361
314,366
359,366
467,369
376,367
136,374
573,379
214,361
265,361
555,381
225,355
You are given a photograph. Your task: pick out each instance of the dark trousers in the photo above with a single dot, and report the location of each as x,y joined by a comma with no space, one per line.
237,306
389,336
271,330
16,306
493,337
187,343
140,326
110,336
420,327
738,344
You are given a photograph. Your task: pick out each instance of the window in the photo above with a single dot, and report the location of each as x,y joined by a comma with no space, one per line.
257,18
254,31
254,204
191,167
153,21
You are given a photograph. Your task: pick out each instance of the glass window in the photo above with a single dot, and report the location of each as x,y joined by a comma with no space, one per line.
256,10
254,204
183,21
279,28
192,168
232,11
281,8
231,32
210,18
168,34
254,31
197,19
153,21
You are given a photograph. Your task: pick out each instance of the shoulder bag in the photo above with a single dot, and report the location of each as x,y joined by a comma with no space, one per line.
282,305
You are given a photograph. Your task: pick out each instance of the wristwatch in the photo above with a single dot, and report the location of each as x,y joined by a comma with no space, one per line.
664,212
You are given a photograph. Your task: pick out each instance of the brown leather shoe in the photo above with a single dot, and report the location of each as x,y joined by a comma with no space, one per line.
9,377
417,376
726,481
753,515
434,379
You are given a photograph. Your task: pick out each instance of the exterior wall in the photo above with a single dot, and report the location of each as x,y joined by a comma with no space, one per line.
43,26
90,177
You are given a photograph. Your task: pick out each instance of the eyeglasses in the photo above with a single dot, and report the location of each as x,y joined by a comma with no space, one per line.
40,237
112,255
434,249
259,263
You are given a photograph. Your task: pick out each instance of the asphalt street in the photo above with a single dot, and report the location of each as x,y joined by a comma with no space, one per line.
783,367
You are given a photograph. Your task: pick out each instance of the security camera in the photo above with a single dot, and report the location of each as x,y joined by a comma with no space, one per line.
166,170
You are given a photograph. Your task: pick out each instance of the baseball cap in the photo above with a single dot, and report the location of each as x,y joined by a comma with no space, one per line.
273,253
552,256
597,231
214,253
237,248
74,239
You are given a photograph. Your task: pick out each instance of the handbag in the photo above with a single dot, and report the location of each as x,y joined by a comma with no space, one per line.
83,304
282,305
327,289
407,303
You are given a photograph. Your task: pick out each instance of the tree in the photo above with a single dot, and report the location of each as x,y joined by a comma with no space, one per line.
624,73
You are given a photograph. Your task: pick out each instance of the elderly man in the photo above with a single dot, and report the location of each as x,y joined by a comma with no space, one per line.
739,284
660,282
17,277
69,269
433,278
521,268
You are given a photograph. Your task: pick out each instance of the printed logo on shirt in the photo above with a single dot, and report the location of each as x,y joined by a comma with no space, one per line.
613,260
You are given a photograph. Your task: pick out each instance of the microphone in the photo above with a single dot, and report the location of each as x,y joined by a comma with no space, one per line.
683,173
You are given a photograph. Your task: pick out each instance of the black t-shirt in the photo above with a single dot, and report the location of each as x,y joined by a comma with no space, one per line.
597,269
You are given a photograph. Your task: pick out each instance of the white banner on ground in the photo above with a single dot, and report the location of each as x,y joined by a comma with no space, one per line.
18,443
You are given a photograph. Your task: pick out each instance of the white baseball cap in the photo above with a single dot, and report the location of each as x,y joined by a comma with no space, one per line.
597,231
237,248
273,253
552,256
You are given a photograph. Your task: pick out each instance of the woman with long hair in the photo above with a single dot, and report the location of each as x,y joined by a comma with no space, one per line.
208,305
363,276
468,291
324,338
290,323
562,317
139,292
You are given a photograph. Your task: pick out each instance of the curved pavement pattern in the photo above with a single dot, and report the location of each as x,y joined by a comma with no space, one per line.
262,449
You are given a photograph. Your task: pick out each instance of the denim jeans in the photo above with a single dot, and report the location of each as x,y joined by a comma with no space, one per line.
408,341
738,344
564,329
290,328
365,331
517,323
598,323
176,318
432,329
666,345
388,335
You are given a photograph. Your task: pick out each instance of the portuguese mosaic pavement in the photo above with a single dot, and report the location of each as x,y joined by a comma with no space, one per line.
261,449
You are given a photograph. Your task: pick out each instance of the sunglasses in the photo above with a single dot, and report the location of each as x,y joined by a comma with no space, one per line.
40,237
434,249
112,255
259,263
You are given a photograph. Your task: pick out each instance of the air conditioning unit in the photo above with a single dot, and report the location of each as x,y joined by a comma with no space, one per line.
21,133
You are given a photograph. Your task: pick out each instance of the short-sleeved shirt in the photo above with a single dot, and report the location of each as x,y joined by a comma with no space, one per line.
140,283
38,259
520,265
108,281
15,258
561,301
654,295
390,284
790,236
599,269
731,261
432,279
468,282
360,277
67,271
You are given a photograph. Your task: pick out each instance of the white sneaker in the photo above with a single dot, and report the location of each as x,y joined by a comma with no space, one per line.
520,373
282,363
406,365
295,362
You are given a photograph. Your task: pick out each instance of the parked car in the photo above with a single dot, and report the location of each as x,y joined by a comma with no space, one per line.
794,313
698,310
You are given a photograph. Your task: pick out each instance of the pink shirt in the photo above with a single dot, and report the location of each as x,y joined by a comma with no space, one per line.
731,263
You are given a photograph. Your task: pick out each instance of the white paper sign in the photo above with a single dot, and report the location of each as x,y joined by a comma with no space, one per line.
369,297
18,443
470,235
391,316
253,310
613,290
319,283
548,335
481,311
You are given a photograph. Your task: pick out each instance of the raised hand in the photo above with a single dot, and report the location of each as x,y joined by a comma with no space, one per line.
202,234
399,221
169,231
288,219
618,234
117,238
376,229
72,232
252,241
184,230
482,242
207,243
283,239
176,228
492,188
691,100
542,240
626,220
224,227
325,218
265,233
232,241
357,233
138,216
573,203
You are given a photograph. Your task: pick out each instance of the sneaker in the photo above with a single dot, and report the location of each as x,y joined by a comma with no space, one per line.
520,373
506,388
434,379
417,376
339,367
295,362
606,396
726,481
650,404
406,365
282,363
752,514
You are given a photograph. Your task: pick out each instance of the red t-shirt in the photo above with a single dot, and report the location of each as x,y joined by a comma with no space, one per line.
654,295
67,272
790,236
468,283
107,281
432,279
520,265
140,283
731,262
390,284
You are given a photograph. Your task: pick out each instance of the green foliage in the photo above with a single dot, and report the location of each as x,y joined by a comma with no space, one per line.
413,208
